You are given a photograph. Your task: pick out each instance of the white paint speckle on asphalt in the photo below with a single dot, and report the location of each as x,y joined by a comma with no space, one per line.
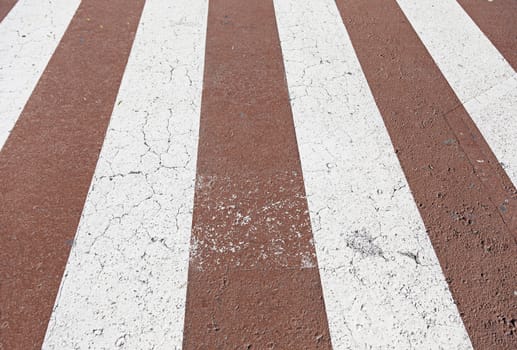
125,281
482,79
383,285
29,34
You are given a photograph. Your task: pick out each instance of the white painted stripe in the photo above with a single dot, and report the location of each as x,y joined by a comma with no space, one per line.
29,34
480,76
382,282
125,281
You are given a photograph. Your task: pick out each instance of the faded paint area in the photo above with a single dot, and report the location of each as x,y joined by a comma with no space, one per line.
126,278
382,282
253,266
28,37
255,223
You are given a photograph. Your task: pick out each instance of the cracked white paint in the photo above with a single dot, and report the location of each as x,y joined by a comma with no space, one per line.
382,283
480,76
125,281
29,34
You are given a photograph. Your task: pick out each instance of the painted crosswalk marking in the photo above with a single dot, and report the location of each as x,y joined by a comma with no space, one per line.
135,227
28,38
47,163
437,145
383,285
483,80
354,185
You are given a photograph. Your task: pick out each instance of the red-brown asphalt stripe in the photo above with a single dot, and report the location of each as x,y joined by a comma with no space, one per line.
48,161
437,144
253,277
5,7
497,19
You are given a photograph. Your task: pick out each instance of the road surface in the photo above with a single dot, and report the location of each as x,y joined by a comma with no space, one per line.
244,174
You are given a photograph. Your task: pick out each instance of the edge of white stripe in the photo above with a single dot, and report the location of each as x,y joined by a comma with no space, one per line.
382,283
479,75
29,35
126,278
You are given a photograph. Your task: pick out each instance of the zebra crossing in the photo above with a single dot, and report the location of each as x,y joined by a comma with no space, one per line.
251,174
